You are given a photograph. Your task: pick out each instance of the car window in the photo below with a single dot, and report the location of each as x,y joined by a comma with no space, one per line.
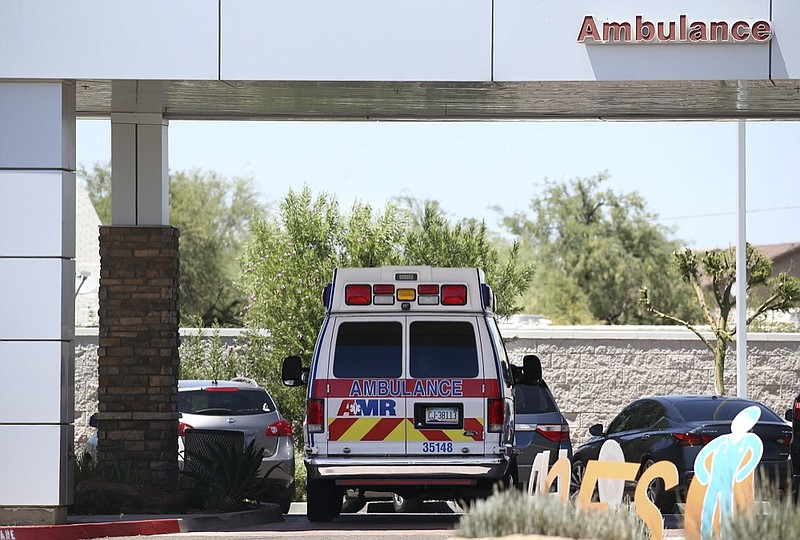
533,399
647,415
699,410
623,419
443,349
225,401
368,350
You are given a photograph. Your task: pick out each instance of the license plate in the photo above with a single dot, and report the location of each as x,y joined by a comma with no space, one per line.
441,415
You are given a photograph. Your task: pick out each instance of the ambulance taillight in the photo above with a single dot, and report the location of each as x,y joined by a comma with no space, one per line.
496,413
315,416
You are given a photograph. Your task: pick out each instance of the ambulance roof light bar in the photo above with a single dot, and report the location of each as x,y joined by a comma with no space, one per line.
427,294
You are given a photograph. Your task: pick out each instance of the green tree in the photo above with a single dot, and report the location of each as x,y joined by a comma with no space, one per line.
712,276
435,242
213,215
97,183
593,250
291,258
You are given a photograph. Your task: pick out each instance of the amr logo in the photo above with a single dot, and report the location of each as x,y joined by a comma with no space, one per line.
367,407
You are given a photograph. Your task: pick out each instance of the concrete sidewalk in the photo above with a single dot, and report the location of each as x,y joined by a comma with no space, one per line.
87,527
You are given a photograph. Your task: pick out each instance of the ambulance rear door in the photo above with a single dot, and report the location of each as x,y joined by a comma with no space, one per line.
445,386
365,408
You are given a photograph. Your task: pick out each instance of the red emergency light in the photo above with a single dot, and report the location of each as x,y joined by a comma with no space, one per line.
454,295
358,295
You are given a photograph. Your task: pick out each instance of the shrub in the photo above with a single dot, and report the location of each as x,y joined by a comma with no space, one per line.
776,519
122,472
512,512
227,478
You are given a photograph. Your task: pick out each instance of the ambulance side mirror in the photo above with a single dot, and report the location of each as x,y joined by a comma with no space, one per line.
532,369
293,373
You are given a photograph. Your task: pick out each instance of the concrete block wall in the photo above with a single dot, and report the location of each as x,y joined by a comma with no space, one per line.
592,371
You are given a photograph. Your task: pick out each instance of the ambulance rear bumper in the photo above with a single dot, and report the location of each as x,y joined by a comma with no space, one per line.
364,468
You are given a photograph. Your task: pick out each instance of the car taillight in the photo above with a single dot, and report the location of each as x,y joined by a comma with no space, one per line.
496,410
786,440
315,416
182,429
553,432
797,411
279,428
693,439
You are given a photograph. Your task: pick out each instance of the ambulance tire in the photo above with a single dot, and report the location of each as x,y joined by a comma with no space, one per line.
512,476
285,504
324,500
510,479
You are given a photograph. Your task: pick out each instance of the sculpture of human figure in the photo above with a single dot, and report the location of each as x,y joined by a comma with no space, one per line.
728,467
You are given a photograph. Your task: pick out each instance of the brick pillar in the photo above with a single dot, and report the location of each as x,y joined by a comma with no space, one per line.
138,349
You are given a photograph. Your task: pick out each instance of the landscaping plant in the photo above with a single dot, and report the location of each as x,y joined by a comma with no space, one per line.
227,479
512,512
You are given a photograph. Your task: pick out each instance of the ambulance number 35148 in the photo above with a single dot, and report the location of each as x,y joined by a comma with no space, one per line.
437,447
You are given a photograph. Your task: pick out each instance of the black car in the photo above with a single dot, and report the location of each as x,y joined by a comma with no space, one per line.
675,429
793,416
538,422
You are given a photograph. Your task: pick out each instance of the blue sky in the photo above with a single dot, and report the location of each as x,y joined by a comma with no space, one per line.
686,171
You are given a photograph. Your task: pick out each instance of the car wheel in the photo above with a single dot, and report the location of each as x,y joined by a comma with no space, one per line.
575,478
285,505
403,505
656,493
324,500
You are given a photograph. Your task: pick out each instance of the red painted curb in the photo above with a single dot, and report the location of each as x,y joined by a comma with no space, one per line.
84,531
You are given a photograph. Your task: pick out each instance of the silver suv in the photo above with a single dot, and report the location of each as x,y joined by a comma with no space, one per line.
210,410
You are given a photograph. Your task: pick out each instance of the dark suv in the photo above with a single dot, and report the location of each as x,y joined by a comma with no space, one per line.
538,422
793,416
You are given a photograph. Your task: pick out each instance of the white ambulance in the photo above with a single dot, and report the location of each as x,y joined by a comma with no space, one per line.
409,389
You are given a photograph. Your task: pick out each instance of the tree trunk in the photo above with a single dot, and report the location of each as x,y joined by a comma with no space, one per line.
719,366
